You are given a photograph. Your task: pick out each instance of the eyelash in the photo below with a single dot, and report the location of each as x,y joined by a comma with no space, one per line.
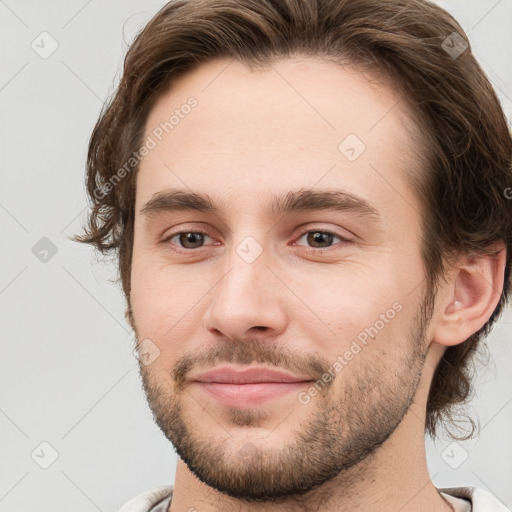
168,239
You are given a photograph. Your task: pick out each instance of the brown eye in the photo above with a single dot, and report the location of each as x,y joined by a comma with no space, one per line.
191,240
188,239
318,239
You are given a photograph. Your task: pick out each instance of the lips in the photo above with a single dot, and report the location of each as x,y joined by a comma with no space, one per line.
231,375
247,388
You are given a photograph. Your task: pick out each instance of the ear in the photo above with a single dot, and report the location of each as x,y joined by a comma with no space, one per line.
472,292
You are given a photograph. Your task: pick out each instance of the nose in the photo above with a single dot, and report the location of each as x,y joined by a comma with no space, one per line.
247,301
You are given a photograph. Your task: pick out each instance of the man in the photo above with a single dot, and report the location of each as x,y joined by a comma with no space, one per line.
307,200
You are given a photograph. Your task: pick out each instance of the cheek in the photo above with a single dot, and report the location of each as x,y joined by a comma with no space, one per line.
346,299
164,299
375,329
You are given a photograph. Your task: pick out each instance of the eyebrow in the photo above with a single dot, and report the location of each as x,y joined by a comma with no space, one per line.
172,200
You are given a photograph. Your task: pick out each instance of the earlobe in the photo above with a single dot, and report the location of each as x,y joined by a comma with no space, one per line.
470,296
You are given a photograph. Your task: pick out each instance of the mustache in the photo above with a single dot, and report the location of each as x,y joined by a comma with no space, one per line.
248,352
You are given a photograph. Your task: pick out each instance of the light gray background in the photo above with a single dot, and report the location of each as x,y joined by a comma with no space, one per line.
68,373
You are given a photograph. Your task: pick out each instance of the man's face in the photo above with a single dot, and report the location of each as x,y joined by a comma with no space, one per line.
332,296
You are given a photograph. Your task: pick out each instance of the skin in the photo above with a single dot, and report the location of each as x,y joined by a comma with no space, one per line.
358,444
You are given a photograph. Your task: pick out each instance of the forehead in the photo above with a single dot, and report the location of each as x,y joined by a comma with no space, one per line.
297,123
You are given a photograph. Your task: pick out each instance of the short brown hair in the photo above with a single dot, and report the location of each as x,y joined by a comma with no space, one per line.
466,144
